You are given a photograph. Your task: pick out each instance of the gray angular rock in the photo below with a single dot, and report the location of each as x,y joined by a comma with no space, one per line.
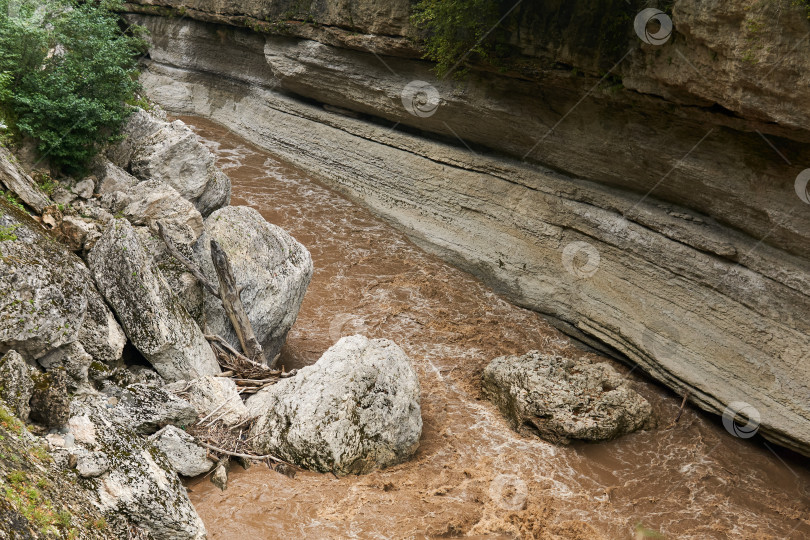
92,464
271,269
220,476
187,457
355,410
100,334
150,201
146,409
563,399
85,188
150,313
139,481
139,126
13,177
42,288
75,361
174,155
217,398
16,385
112,178
50,403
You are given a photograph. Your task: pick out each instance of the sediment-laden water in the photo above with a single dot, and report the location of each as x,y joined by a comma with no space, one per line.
472,475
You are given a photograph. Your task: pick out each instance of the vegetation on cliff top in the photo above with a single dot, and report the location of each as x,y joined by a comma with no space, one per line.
66,72
454,30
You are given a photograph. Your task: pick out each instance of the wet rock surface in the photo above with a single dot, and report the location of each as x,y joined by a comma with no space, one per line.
564,399
355,410
272,271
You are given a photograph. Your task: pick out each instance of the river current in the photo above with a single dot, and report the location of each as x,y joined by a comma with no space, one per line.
472,475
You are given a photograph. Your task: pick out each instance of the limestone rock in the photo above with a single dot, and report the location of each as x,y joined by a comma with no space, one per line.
187,457
173,155
217,398
85,188
42,288
50,403
220,476
75,361
151,315
563,399
355,410
147,409
151,201
100,334
139,126
271,269
139,481
74,230
16,385
13,177
92,464
112,178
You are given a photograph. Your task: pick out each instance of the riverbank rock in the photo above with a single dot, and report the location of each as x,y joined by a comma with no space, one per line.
170,153
146,409
150,313
16,385
131,476
148,202
74,360
271,269
355,410
100,334
562,399
186,456
216,398
42,288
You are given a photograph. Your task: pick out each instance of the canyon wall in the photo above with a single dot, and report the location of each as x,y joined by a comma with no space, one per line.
644,197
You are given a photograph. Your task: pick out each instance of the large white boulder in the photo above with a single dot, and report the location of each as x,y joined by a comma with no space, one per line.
355,410
270,267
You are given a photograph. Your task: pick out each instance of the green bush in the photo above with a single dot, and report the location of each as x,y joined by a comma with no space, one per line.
455,30
66,73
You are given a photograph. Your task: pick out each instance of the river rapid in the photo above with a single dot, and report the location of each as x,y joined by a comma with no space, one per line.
472,475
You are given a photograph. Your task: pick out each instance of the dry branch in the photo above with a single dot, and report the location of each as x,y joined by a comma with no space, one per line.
232,302
186,262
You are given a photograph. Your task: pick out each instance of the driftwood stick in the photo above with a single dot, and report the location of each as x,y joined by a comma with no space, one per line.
228,348
233,305
185,262
683,404
245,456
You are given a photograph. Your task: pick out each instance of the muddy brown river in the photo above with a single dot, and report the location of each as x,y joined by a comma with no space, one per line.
472,476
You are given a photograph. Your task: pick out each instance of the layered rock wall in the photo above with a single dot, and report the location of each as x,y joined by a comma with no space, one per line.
651,207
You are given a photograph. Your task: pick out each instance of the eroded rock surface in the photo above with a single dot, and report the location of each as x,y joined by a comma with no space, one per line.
563,399
16,385
146,409
150,313
170,153
355,410
131,476
271,269
187,457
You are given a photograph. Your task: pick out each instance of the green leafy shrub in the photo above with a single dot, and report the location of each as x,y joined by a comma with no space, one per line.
67,71
454,30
